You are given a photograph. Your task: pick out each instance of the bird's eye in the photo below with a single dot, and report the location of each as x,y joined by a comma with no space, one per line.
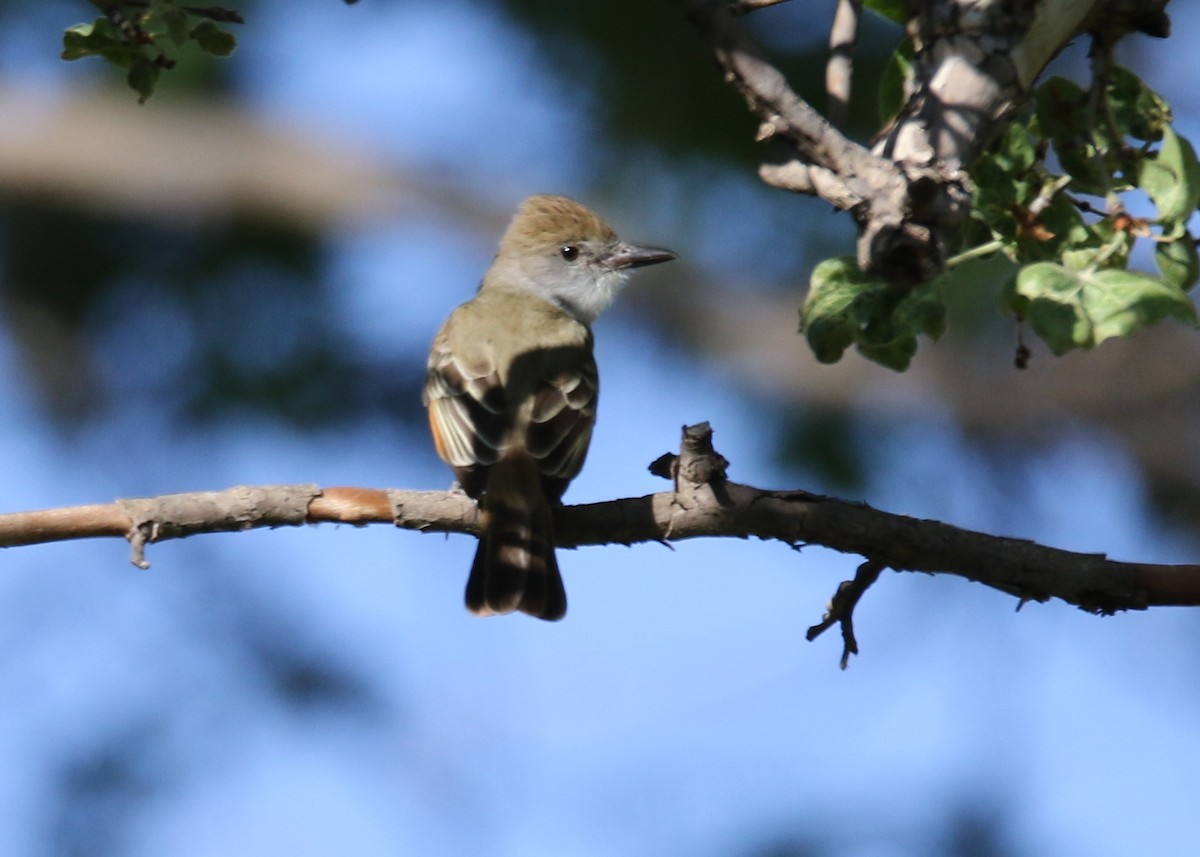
569,252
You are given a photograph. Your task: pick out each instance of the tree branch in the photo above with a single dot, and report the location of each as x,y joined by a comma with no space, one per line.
974,65
890,198
841,608
839,70
703,503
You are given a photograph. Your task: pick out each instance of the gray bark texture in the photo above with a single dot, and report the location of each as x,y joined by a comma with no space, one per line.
975,64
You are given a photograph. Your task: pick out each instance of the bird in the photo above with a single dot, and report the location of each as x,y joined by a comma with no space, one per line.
511,391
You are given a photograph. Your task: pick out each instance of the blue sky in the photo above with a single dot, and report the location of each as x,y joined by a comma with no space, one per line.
678,709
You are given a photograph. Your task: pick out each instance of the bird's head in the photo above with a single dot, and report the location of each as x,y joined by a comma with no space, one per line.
566,253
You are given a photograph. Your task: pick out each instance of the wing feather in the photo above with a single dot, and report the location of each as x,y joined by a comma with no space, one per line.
467,407
483,401
561,419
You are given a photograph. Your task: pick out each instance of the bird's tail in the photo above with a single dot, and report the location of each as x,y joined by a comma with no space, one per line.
514,567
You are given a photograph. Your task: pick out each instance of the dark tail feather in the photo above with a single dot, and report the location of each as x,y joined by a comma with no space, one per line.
495,588
544,595
515,567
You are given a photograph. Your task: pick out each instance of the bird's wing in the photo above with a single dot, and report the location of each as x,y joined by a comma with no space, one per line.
483,402
562,414
466,404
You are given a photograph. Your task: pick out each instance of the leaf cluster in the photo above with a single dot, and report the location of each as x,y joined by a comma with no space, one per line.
144,37
1074,284
1049,195
848,306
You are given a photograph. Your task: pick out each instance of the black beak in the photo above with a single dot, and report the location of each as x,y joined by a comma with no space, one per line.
632,256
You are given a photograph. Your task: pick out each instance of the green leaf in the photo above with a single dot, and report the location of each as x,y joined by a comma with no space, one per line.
890,338
893,9
1137,110
828,318
1008,177
1070,229
1087,171
891,87
1178,262
1014,153
1061,110
1060,107
1106,248
846,306
167,20
1081,309
98,39
1171,177
1012,301
142,78
76,41
213,39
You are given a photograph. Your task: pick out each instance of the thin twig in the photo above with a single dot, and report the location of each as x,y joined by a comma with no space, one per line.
841,607
839,71
1085,206
850,175
902,234
1047,194
1099,109
978,251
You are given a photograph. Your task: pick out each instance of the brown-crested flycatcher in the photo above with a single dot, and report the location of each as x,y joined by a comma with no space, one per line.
512,389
